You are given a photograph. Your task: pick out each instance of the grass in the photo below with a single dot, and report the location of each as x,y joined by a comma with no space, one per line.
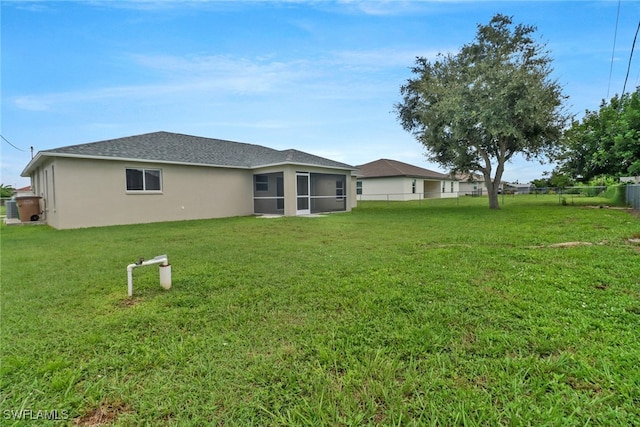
433,313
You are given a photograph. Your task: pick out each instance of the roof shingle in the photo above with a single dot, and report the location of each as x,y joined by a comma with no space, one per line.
168,147
390,168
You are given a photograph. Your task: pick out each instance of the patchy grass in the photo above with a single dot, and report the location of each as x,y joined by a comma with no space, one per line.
433,313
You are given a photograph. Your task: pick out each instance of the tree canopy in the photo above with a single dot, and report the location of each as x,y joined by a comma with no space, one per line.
473,111
6,190
605,142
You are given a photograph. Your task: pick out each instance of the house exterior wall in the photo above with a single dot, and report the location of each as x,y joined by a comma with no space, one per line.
391,188
451,189
473,187
92,193
401,188
78,192
352,191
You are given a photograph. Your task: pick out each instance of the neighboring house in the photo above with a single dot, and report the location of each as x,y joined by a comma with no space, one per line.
517,188
166,176
24,191
386,179
630,179
471,184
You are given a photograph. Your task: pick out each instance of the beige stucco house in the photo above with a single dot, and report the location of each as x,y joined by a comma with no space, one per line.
166,176
471,184
386,179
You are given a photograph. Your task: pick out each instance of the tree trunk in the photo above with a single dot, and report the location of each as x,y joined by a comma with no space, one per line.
493,197
493,185
492,191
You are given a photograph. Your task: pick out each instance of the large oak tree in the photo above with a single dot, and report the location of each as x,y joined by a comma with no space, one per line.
474,110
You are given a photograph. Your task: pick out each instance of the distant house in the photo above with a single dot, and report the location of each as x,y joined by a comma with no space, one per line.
386,179
630,179
166,176
510,188
24,190
471,184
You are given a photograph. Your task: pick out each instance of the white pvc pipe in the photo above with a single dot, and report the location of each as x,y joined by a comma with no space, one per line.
165,276
160,259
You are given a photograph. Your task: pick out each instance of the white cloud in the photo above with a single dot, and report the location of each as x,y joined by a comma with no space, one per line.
389,7
337,75
381,58
240,74
198,75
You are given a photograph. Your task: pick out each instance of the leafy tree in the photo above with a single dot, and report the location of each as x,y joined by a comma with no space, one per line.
560,180
6,190
541,182
474,110
606,142
556,179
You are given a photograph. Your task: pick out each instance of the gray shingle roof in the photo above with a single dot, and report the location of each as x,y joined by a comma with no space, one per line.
390,168
167,147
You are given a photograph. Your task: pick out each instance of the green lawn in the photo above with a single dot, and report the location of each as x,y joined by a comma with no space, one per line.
433,313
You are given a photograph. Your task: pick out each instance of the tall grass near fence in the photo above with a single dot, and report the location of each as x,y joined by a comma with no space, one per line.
443,313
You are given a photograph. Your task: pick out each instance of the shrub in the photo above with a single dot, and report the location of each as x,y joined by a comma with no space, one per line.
616,194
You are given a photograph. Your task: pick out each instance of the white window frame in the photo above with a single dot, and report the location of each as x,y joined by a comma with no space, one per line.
144,181
340,194
261,186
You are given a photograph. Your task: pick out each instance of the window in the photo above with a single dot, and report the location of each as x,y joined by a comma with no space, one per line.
413,186
144,180
444,189
452,186
262,182
358,187
339,189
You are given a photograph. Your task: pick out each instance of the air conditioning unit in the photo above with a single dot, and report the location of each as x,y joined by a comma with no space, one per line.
12,209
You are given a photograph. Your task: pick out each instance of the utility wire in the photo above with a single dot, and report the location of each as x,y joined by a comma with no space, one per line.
613,52
9,142
630,56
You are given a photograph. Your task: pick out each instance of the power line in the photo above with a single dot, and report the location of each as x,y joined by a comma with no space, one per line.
9,142
630,56
613,52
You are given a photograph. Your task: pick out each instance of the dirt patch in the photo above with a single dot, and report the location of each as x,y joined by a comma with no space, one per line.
104,415
563,245
569,244
617,208
129,302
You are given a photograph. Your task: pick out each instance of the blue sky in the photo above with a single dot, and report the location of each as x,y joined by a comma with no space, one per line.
318,76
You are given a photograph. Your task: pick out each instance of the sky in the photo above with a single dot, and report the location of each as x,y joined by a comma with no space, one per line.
319,76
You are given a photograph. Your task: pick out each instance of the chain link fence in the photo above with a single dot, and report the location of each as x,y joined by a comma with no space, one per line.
618,195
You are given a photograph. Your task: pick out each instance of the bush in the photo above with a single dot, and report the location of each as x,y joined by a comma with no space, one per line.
616,194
